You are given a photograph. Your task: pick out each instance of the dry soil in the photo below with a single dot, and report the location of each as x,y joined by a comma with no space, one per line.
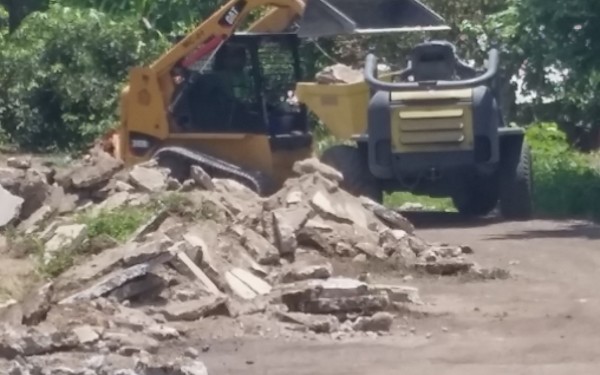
543,320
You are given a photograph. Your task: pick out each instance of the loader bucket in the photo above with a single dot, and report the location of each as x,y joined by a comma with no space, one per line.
323,18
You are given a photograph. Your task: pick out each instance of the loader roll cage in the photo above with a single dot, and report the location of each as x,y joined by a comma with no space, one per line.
370,74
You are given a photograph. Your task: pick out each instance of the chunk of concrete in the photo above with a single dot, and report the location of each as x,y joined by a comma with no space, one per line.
315,323
116,279
379,322
32,223
391,218
19,163
313,165
239,288
114,201
150,180
340,208
398,293
86,176
194,309
286,224
66,237
34,190
257,246
298,272
11,207
201,178
258,285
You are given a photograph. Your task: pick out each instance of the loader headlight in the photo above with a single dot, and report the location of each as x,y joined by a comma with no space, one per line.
140,144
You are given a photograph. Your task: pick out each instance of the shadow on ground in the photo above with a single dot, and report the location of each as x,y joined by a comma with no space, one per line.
572,230
440,219
555,228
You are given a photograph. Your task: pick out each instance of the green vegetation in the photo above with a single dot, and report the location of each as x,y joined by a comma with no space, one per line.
566,182
428,203
119,223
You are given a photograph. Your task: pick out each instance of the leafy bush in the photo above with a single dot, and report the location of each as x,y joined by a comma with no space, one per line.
61,75
565,182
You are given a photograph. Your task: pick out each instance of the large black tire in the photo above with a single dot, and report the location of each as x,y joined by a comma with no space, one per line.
478,197
516,180
353,165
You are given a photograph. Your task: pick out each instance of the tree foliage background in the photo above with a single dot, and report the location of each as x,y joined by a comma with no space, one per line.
63,61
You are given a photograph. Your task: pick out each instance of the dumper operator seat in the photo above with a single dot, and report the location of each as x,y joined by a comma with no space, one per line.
437,61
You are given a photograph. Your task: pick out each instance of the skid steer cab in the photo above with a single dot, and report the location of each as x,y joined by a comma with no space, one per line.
437,129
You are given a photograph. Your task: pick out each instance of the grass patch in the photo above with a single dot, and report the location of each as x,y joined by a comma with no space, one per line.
119,223
566,182
395,200
185,207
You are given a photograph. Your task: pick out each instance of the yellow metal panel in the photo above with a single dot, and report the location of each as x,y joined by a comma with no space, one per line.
432,95
432,137
144,109
423,134
427,114
431,125
341,107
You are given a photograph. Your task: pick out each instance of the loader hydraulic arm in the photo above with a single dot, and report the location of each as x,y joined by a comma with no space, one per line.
222,24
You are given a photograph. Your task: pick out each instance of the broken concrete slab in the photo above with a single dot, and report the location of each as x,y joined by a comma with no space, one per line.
286,224
238,287
129,343
36,304
181,366
85,176
150,180
10,179
298,272
114,201
391,218
61,201
18,163
398,293
32,223
195,309
34,189
256,245
315,323
313,165
116,279
65,238
132,319
150,225
202,277
35,341
11,207
258,285
339,207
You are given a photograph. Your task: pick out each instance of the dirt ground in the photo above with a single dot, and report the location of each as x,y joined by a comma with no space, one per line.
544,320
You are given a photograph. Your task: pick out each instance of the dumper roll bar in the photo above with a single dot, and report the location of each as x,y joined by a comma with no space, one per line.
370,77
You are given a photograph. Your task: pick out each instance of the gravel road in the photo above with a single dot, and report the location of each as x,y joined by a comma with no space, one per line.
544,320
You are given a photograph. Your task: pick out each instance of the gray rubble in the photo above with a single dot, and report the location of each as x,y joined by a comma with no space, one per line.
211,249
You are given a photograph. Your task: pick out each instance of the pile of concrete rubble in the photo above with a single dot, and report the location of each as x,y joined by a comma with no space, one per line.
222,251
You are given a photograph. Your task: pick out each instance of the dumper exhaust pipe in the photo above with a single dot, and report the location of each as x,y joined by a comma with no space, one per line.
325,18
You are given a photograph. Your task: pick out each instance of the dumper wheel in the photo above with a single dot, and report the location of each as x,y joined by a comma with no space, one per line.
478,197
353,165
516,183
